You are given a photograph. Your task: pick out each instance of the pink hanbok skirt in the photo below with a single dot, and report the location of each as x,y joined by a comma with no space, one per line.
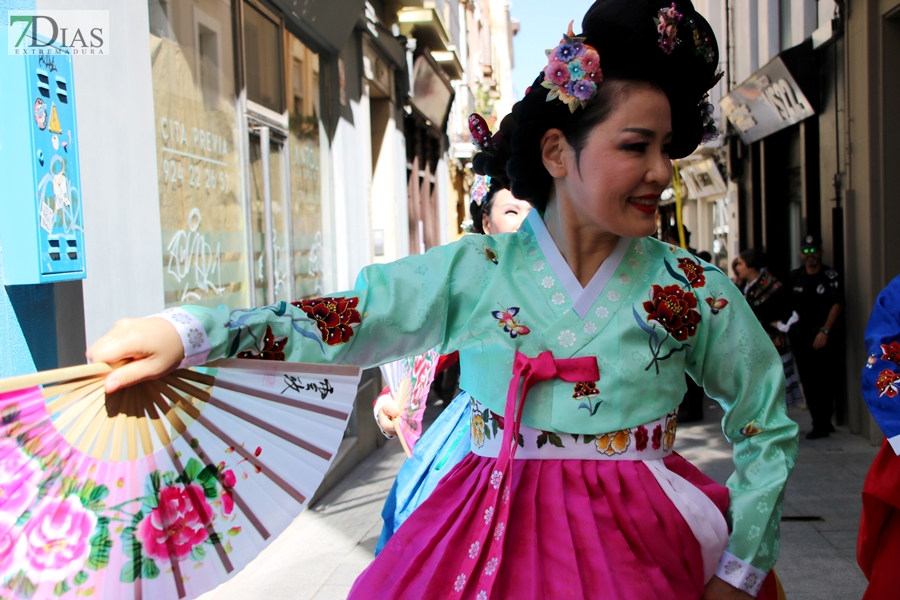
498,528
579,529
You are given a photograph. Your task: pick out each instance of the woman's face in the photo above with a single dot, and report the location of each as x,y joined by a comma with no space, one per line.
624,166
507,213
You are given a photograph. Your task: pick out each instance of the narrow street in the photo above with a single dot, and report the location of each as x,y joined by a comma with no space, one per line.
322,552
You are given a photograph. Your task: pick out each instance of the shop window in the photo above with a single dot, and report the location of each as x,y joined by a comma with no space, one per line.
311,218
262,48
198,153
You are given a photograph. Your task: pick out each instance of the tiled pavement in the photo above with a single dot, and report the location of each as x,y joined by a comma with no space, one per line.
323,551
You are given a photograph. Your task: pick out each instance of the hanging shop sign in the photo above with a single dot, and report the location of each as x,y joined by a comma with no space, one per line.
770,100
702,179
432,92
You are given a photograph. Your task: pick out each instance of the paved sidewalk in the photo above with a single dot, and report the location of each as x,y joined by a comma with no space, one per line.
323,551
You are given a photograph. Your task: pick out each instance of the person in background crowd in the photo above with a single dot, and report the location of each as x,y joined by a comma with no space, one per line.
670,236
770,302
737,278
878,545
494,210
817,298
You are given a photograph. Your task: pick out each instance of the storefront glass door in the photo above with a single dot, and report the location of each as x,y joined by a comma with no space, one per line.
270,212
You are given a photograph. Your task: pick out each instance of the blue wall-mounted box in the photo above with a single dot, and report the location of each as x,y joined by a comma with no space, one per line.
41,225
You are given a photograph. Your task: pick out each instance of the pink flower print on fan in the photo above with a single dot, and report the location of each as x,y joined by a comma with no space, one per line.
19,479
10,551
178,521
56,541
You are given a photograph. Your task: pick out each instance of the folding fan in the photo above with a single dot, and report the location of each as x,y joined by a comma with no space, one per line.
409,380
164,489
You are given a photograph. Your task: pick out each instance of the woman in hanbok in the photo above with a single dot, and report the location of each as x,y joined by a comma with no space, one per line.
574,335
878,546
494,210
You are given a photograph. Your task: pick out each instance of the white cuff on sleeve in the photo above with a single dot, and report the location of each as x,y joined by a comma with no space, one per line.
381,401
193,336
895,444
740,574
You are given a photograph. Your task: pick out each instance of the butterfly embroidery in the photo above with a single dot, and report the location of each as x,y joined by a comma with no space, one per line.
507,320
489,254
750,429
716,304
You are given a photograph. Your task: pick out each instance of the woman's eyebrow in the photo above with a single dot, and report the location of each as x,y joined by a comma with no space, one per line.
645,132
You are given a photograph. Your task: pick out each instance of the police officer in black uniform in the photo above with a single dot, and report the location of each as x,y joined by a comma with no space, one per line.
817,297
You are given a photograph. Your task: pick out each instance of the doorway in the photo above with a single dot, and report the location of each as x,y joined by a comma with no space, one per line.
270,221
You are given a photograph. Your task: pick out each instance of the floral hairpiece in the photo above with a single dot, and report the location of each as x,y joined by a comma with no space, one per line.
481,134
702,43
480,189
710,131
667,25
573,72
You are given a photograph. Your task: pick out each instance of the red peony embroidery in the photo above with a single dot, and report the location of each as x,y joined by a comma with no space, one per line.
270,348
674,309
641,438
335,317
657,437
891,352
887,383
585,388
693,271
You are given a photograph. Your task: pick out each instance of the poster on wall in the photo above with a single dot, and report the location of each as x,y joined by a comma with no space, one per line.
198,154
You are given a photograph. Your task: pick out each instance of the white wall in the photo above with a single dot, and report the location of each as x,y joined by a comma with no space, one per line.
117,145
769,30
442,175
351,177
746,39
401,195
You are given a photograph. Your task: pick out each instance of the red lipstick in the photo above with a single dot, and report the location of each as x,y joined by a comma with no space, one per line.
649,208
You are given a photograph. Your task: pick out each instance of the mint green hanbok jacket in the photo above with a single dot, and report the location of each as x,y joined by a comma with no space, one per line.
652,313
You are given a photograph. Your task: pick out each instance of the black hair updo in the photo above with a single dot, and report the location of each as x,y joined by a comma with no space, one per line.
624,33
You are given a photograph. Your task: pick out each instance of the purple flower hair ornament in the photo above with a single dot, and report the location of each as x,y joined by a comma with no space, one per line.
667,25
572,72
710,131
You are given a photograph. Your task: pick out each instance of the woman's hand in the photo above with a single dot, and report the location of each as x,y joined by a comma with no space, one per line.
386,415
717,589
152,346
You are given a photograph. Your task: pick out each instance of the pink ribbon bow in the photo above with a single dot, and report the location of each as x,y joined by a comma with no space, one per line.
526,372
